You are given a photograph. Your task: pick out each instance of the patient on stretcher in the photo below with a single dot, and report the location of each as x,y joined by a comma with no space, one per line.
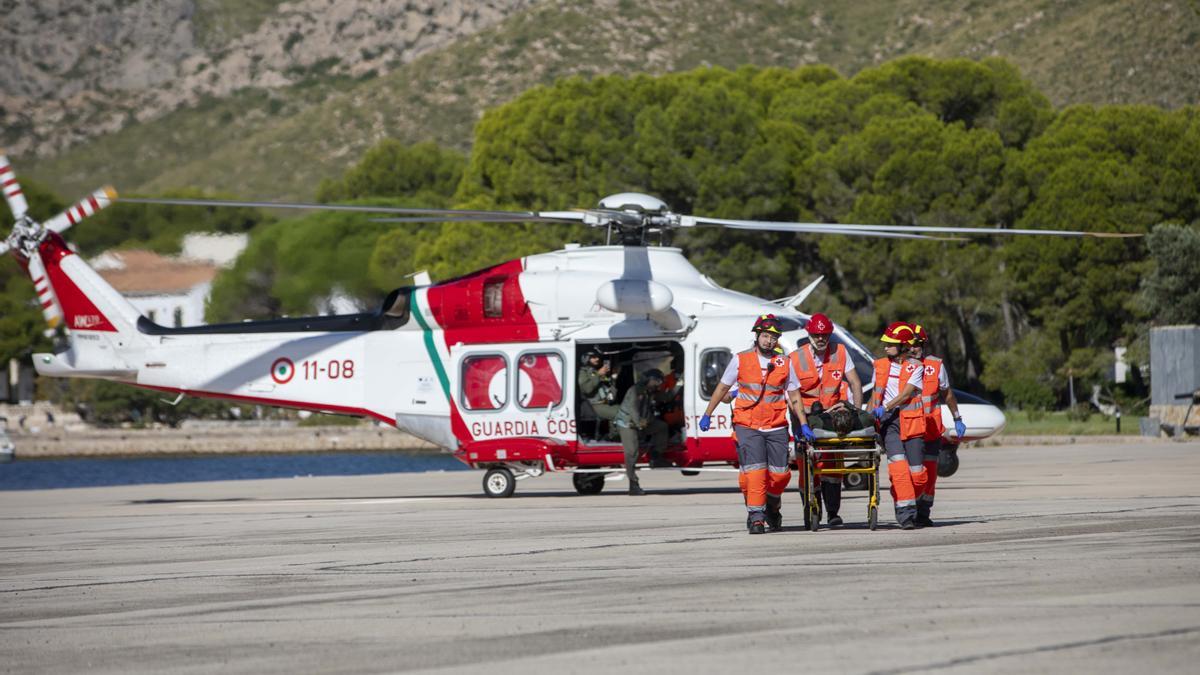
843,421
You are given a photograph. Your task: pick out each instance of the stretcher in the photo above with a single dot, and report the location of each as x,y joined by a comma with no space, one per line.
831,454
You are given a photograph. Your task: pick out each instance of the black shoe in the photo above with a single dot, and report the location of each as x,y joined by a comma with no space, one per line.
835,521
636,491
923,521
775,520
757,526
908,525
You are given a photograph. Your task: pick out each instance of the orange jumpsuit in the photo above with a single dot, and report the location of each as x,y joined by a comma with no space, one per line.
902,435
934,428
760,424
831,389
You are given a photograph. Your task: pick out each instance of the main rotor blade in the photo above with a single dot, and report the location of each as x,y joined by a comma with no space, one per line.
804,228
464,214
12,189
82,209
849,228
475,219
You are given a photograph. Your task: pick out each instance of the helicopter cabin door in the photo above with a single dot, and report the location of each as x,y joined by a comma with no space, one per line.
513,391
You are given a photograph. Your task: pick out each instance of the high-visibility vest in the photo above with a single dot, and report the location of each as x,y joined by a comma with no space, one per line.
827,381
912,414
761,402
931,398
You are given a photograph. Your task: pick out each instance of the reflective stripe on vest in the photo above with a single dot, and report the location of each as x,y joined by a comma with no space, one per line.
827,380
912,415
931,398
769,411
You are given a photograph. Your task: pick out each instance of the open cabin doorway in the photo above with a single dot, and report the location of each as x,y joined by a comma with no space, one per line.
627,362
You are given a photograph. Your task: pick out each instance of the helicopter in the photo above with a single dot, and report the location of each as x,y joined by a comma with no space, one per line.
483,365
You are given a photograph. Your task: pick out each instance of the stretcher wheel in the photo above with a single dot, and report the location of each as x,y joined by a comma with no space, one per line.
588,483
499,482
873,517
812,517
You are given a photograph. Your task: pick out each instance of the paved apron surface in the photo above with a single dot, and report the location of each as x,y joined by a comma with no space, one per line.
1045,559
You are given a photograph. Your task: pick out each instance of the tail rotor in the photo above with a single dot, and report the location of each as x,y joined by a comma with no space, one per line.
27,234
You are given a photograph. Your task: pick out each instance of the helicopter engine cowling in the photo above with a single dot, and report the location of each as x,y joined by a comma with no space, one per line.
634,296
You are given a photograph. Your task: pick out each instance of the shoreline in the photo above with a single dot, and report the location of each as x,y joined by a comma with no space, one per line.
208,440
91,443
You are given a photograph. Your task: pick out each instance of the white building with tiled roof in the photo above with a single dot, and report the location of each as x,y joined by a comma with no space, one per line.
170,291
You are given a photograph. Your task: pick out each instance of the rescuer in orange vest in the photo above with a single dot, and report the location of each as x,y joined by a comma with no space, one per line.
767,387
900,419
936,389
825,372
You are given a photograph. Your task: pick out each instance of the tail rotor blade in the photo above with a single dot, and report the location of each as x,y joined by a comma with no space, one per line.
45,292
12,189
82,209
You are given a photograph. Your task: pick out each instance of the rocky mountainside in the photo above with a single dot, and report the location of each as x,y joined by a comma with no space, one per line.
265,98
76,70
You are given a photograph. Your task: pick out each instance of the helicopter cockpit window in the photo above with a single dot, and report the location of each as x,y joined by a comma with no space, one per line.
539,380
493,299
485,382
712,365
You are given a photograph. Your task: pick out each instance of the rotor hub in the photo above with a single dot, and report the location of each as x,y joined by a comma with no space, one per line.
634,202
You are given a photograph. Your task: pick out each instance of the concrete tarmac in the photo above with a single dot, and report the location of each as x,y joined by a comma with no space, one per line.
1045,559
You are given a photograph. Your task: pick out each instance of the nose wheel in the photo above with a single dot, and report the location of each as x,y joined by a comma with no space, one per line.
499,482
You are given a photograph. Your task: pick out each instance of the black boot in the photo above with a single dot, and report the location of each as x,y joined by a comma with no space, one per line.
635,488
831,495
922,519
774,515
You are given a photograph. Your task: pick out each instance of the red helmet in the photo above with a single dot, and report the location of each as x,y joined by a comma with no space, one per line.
899,333
768,323
919,333
819,324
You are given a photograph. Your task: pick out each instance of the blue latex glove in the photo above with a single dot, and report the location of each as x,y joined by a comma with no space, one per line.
808,433
879,412
960,428
705,422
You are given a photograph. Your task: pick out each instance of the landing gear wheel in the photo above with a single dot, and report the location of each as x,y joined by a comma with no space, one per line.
854,481
873,517
499,482
588,483
689,472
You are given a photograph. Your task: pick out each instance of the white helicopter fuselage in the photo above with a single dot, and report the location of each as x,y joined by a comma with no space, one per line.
485,363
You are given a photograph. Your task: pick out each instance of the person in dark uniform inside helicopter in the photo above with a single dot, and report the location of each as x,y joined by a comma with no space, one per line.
597,386
636,419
